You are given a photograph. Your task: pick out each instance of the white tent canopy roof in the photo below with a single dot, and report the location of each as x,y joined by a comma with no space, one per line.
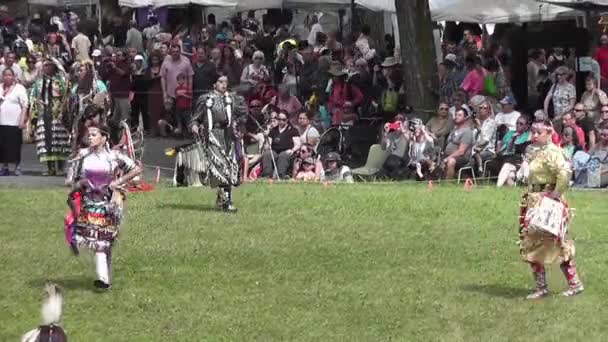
578,2
475,11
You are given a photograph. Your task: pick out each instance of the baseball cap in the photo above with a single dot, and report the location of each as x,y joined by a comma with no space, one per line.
96,53
451,57
508,100
332,156
139,58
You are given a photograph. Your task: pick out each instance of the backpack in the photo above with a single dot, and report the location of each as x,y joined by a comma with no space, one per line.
390,101
489,86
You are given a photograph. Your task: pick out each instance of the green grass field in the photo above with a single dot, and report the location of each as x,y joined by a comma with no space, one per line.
304,263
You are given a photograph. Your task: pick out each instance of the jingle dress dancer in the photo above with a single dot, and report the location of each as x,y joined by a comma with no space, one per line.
217,114
549,176
96,200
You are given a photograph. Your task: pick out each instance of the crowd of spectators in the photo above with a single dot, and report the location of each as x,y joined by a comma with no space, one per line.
297,87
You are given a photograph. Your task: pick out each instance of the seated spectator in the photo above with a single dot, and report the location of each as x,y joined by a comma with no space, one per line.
334,171
514,143
396,139
585,122
593,99
485,141
304,152
570,143
308,134
284,101
284,139
591,169
508,116
459,99
308,171
511,173
603,118
421,151
460,144
568,120
440,125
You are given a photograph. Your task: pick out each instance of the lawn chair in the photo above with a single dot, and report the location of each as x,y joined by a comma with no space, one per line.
375,159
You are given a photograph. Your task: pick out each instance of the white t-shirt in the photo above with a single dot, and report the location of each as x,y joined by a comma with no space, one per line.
12,105
81,45
509,119
309,133
16,70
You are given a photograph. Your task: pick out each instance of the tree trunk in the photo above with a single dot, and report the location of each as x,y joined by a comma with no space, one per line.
417,54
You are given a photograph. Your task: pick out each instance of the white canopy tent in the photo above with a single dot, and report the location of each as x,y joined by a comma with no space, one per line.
495,11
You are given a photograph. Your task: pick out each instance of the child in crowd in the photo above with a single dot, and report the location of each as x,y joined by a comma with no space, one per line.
183,104
308,172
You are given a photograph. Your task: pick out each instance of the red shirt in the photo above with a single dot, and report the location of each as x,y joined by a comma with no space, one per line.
580,134
601,56
183,102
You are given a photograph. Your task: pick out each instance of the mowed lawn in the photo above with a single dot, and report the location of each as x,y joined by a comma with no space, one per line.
304,262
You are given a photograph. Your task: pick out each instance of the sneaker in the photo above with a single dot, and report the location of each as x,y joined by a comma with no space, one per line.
573,291
18,172
538,294
229,208
4,172
101,285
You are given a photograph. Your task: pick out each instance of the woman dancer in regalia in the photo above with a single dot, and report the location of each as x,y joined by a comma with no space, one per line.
216,117
96,200
48,101
549,176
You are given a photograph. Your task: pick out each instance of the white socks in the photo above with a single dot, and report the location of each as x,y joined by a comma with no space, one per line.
101,266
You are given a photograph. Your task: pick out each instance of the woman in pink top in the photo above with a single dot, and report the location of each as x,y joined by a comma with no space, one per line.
287,102
473,81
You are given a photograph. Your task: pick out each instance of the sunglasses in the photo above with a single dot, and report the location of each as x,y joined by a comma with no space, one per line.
484,107
579,110
443,108
605,111
258,59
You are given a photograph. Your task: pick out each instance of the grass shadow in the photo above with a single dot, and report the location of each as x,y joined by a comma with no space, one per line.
495,290
67,283
189,207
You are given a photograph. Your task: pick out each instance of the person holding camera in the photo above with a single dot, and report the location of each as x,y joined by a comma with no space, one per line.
396,139
421,149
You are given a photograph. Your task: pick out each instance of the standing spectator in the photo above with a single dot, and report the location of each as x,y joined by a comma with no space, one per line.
13,118
315,28
255,72
150,32
172,66
459,145
365,43
32,72
593,99
308,134
284,140
508,116
155,93
535,65
286,102
140,96
473,81
562,95
183,103
601,56
10,63
448,81
119,77
343,97
119,31
135,39
81,44
204,74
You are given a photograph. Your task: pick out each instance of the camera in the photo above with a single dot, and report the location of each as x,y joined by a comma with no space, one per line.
393,126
